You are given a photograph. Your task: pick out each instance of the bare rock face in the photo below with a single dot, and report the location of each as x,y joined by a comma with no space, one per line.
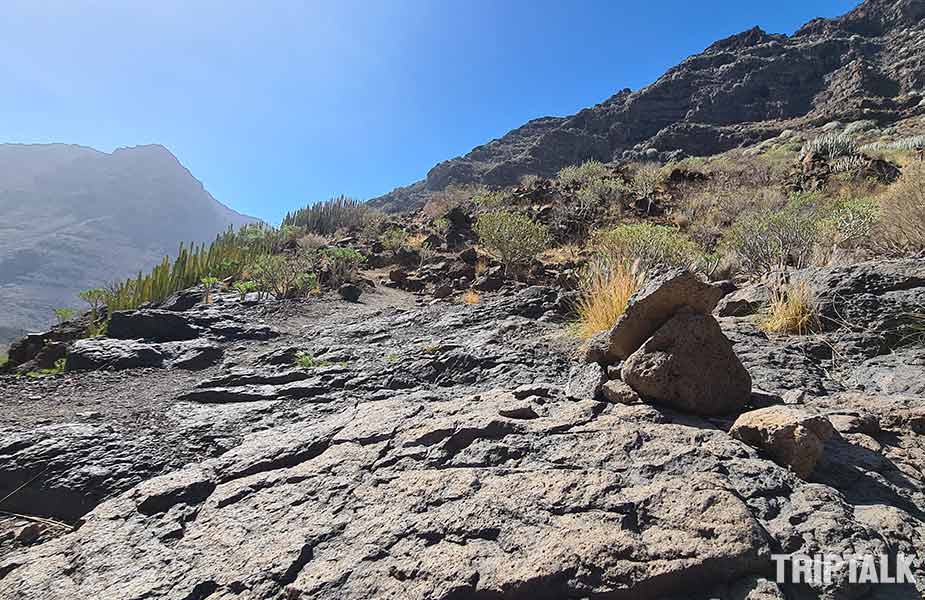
654,304
792,437
689,365
585,381
619,392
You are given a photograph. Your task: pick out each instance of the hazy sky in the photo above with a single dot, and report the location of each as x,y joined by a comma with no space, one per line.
275,104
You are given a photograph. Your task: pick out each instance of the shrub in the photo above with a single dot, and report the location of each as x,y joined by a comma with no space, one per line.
831,146
605,289
4,358
900,229
491,199
440,226
393,239
848,221
647,243
64,314
326,218
793,310
96,298
341,265
773,240
209,284
57,369
646,178
510,237
581,175
304,360
285,275
312,241
244,288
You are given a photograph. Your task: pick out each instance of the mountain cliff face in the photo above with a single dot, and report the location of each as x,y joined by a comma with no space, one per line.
867,64
75,218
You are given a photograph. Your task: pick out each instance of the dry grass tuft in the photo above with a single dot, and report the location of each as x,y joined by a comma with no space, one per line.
794,310
471,297
606,289
901,227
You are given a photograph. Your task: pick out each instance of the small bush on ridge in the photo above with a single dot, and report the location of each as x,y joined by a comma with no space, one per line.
510,237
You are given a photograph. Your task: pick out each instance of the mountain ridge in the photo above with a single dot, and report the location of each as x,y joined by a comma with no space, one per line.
77,217
740,90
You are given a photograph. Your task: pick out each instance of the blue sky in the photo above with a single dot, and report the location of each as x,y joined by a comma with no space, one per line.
275,104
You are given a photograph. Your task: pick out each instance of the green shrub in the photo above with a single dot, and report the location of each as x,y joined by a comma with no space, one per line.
491,199
393,239
772,240
648,244
581,175
304,360
646,178
64,314
510,237
440,226
342,265
223,258
832,146
244,288
209,284
326,218
60,366
285,275
848,221
4,358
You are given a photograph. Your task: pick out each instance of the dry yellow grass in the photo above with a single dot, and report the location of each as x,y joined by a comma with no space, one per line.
605,293
415,241
471,297
793,310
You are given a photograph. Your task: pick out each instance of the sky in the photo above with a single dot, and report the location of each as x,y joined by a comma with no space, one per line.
274,104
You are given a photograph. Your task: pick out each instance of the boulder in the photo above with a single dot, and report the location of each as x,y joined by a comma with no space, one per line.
689,365
618,392
350,292
585,381
743,302
793,438
183,300
106,353
151,324
657,301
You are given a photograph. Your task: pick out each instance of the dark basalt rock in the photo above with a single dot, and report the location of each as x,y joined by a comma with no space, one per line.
151,324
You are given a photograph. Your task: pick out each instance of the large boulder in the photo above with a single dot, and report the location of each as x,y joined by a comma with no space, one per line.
113,354
657,301
151,324
689,365
103,353
792,437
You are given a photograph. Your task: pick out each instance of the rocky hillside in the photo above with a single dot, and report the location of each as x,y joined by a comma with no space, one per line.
445,450
866,65
75,218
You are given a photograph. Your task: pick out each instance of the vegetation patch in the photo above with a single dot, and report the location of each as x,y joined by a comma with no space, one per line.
605,291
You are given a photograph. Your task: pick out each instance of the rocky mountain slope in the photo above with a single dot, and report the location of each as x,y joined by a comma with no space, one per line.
448,450
75,218
867,64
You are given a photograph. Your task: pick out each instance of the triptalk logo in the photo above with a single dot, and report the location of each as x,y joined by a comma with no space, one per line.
861,568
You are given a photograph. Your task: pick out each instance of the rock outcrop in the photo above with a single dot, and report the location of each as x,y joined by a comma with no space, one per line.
688,364
447,451
741,90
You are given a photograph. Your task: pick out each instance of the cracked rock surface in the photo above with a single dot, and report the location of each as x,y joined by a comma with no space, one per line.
432,452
